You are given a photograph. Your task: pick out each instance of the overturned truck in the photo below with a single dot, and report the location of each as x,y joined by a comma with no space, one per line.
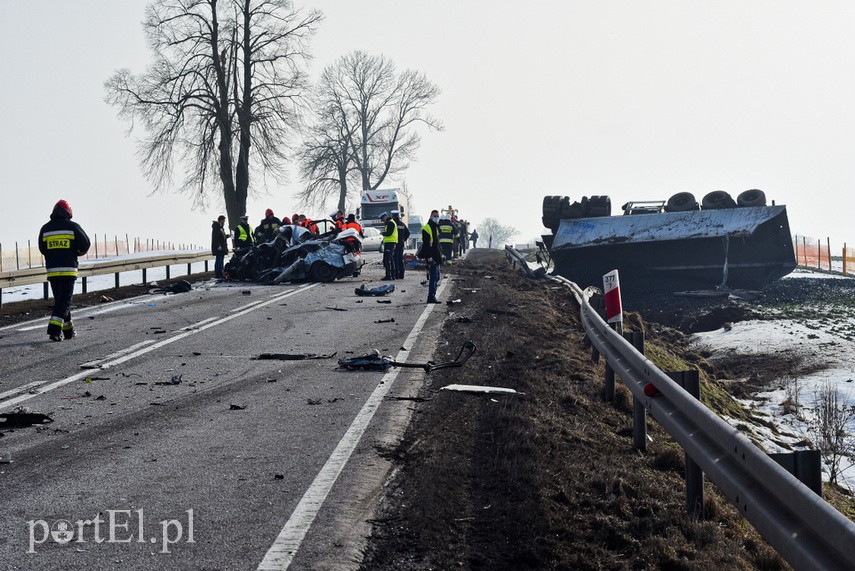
297,254
671,245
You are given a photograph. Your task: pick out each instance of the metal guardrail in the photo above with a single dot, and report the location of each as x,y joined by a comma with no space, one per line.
805,530
38,275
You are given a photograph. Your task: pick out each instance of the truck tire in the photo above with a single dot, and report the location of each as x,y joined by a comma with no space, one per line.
682,202
717,200
751,197
600,206
551,214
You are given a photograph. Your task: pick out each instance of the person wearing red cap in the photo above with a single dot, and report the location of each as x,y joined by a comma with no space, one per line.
266,230
61,241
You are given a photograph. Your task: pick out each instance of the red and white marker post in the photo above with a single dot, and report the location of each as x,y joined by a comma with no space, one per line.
611,292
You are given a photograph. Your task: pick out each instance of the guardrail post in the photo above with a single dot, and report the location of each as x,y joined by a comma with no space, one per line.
83,284
17,260
167,272
143,276
206,265
45,289
639,413
117,280
691,382
29,255
806,465
188,269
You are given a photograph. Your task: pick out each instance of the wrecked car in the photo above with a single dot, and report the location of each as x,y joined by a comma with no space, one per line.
297,254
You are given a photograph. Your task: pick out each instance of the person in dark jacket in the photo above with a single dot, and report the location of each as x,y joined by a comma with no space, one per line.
474,237
219,245
243,234
403,236
431,254
61,242
266,229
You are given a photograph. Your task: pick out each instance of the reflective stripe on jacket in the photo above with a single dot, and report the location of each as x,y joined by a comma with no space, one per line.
446,231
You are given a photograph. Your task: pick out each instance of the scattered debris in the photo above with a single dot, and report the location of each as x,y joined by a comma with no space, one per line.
5,457
22,417
246,292
480,389
390,320
464,319
454,301
336,308
278,476
292,357
314,401
65,447
374,361
105,299
100,397
175,380
375,291
384,301
236,407
181,286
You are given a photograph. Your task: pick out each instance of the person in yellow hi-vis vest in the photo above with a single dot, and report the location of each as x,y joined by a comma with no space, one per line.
390,240
61,241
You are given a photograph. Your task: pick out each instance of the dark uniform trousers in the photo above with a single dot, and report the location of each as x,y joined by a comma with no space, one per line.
63,290
389,259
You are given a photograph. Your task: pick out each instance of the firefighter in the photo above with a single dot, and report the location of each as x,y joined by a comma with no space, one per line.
266,230
352,223
446,237
61,242
338,219
243,234
390,240
430,253
403,236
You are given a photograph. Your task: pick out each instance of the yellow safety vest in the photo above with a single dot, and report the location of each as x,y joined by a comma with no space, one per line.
394,236
243,235
429,230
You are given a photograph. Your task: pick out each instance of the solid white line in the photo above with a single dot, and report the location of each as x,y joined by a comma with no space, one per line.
18,390
142,351
285,546
96,363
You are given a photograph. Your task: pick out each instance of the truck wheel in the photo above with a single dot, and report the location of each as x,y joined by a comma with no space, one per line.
551,217
717,200
751,197
322,272
681,202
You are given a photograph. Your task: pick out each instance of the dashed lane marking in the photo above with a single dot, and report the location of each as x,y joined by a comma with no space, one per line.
128,355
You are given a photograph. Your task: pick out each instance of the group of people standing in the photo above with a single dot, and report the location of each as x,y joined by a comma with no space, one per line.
454,236
244,237
443,239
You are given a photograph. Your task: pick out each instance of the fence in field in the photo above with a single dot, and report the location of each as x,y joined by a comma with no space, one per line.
819,253
20,255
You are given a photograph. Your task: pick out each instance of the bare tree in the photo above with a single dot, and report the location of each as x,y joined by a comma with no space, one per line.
376,111
829,430
495,234
222,95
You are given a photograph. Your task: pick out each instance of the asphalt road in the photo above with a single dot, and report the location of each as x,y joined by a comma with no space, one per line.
243,464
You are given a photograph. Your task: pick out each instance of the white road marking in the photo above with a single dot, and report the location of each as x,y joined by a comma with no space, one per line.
96,363
285,546
127,356
42,323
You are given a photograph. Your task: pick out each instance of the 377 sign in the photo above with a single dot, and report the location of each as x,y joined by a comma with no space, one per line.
611,291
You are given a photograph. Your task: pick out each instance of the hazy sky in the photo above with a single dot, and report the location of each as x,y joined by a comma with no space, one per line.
636,100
